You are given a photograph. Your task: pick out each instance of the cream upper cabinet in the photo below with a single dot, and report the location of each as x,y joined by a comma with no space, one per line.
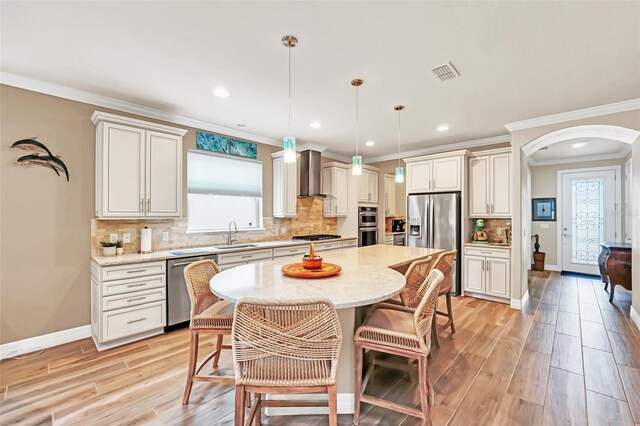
389,195
335,184
285,187
436,173
138,168
368,186
163,175
478,184
490,184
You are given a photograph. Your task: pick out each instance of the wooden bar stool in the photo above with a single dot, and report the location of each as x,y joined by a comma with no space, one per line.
285,347
209,315
445,264
404,332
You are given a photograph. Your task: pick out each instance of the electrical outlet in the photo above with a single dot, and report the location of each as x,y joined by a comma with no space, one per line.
113,238
283,230
165,236
499,231
126,237
275,231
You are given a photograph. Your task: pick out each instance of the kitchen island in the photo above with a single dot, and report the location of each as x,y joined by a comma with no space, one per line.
369,275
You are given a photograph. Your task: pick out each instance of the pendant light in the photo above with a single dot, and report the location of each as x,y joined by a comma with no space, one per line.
356,160
399,168
289,142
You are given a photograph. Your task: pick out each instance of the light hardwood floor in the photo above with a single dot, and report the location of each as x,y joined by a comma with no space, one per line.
569,357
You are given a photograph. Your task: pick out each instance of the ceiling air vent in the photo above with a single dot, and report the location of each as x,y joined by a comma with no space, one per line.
445,72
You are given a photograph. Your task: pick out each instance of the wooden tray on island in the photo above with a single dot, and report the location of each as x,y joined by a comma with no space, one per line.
296,270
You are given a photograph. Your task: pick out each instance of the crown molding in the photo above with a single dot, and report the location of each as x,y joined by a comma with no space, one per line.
337,157
600,131
583,158
78,95
613,108
442,148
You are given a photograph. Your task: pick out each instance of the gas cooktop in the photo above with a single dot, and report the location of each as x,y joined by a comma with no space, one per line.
316,237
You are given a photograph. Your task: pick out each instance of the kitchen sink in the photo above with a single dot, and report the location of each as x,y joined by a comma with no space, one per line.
236,246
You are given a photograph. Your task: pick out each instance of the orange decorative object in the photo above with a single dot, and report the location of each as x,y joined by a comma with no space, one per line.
312,251
296,270
312,262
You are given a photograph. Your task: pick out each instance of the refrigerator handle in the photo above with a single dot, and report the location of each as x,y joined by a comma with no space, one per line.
432,238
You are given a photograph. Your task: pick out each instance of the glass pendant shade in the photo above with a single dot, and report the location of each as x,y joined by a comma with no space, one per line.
289,144
356,163
399,174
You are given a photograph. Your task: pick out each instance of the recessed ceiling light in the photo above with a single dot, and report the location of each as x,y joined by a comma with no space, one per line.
221,92
315,124
370,143
241,125
443,128
578,144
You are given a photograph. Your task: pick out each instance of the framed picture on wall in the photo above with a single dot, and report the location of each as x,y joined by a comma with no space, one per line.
543,209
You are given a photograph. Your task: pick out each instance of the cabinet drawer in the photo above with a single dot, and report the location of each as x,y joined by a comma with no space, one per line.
133,299
290,251
129,285
488,252
244,256
349,243
133,270
336,245
129,321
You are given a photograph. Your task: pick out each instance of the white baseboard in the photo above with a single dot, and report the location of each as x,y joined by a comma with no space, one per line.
519,304
345,405
635,317
32,344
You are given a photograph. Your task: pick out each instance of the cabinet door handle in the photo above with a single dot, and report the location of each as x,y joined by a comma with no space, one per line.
136,285
487,208
141,210
247,256
135,271
181,264
136,298
136,320
491,207
148,204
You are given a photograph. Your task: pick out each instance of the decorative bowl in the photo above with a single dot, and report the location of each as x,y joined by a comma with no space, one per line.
314,262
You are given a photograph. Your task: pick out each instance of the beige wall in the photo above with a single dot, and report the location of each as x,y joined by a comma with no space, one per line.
521,233
544,184
635,187
45,222
389,167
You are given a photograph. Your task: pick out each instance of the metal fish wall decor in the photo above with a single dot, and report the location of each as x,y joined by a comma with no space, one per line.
40,155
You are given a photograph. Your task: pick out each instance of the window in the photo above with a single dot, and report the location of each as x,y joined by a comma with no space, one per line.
221,189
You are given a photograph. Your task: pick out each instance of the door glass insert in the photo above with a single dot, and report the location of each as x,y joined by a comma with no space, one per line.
587,219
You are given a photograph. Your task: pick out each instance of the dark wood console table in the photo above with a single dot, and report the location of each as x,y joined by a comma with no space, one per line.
615,266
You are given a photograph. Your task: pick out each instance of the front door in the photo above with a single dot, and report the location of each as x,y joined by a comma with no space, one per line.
589,216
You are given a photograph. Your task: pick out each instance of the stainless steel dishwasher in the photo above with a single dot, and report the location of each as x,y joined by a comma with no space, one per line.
178,302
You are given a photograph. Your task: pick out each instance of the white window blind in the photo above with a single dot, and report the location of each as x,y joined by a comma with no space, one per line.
221,189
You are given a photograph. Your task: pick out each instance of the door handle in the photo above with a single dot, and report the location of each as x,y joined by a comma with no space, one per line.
491,207
181,264
486,210
141,208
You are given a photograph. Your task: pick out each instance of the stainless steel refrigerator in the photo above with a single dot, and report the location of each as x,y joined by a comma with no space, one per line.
433,221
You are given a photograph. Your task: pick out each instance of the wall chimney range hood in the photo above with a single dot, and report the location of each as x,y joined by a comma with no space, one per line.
310,174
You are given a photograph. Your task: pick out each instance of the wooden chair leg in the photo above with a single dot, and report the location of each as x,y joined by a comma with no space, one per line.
435,339
257,420
358,385
450,312
193,360
216,357
425,405
238,419
333,405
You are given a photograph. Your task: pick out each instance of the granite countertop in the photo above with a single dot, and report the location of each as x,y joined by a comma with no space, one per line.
492,245
200,251
369,274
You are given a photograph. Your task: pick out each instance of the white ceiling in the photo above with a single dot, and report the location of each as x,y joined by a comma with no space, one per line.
595,148
518,60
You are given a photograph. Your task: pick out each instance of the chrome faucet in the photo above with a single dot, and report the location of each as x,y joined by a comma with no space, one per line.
230,240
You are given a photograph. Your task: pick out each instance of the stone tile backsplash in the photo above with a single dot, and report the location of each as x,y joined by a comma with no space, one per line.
309,221
491,226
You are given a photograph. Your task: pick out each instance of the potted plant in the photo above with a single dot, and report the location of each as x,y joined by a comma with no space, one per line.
119,247
538,256
108,248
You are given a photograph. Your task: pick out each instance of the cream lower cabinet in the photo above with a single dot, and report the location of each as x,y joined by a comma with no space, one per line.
335,184
138,168
128,302
487,271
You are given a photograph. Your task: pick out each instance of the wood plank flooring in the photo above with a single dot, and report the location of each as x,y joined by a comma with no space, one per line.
569,357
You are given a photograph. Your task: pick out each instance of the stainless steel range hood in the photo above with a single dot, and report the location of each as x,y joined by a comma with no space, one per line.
310,174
